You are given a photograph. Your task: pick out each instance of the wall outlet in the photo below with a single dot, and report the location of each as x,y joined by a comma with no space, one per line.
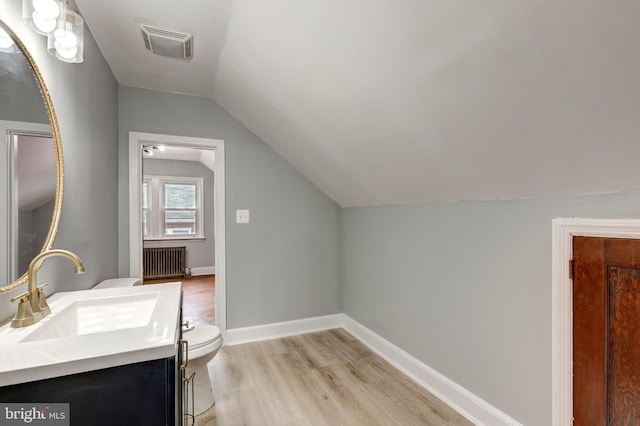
242,216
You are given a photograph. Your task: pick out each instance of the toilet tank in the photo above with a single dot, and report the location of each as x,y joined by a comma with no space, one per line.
119,282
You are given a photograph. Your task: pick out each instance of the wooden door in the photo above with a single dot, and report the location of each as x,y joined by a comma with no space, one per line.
606,331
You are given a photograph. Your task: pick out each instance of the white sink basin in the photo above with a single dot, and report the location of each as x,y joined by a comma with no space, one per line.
91,330
97,315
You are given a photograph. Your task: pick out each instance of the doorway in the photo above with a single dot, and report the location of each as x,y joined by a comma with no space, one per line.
563,232
29,188
138,142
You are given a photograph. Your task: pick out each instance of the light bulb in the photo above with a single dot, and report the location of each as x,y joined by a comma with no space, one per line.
45,25
47,9
65,38
66,52
161,147
5,40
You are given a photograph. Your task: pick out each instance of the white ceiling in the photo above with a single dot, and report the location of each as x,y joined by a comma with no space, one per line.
168,152
387,101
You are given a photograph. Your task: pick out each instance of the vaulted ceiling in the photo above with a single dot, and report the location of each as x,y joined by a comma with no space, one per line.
386,101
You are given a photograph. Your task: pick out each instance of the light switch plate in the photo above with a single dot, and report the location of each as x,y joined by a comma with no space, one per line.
242,216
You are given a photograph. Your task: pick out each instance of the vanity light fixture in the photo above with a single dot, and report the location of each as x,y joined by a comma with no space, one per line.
61,23
66,42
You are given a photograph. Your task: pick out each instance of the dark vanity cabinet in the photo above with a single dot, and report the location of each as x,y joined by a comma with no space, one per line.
134,394
147,393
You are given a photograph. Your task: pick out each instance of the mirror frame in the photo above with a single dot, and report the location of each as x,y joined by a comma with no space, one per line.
55,132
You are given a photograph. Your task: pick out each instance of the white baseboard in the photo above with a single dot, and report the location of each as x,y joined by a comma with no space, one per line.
236,336
460,399
203,270
474,408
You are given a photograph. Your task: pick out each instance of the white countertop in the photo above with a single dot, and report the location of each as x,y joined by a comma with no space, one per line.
26,361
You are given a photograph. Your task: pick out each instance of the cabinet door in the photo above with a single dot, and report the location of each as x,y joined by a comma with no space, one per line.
135,394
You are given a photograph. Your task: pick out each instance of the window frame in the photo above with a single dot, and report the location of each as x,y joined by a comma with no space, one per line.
156,210
146,180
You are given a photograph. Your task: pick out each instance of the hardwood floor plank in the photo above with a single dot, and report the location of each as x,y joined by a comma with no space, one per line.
198,297
275,384
324,378
391,386
309,359
363,409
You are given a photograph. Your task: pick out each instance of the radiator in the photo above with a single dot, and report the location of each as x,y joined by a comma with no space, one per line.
164,262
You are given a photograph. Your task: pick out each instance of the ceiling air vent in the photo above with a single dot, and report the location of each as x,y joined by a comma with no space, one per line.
167,43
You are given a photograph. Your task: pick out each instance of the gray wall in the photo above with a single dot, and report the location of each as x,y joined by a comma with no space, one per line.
286,263
199,253
85,100
466,288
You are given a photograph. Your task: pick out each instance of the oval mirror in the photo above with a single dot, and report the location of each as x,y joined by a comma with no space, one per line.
31,165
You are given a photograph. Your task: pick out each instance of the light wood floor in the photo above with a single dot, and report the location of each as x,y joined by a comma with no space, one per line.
324,378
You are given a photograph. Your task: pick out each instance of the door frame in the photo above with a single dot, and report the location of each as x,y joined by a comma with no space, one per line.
136,140
563,231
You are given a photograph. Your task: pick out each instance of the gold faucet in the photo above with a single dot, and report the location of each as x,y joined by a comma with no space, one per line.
33,304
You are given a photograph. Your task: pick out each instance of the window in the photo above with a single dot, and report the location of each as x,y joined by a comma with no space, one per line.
145,208
172,207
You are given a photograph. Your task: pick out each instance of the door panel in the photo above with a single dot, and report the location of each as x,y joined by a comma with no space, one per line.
623,381
606,331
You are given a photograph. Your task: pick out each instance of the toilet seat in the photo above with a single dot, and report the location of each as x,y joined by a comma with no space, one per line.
202,335
119,282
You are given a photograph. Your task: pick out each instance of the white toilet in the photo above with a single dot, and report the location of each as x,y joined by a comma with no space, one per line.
204,343
119,282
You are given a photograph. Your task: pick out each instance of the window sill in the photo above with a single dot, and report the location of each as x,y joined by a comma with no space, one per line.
178,239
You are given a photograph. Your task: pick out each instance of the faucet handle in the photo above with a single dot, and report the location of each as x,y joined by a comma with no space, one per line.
42,301
24,297
25,315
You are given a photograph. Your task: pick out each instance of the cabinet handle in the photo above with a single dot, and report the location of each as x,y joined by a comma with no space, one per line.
186,354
